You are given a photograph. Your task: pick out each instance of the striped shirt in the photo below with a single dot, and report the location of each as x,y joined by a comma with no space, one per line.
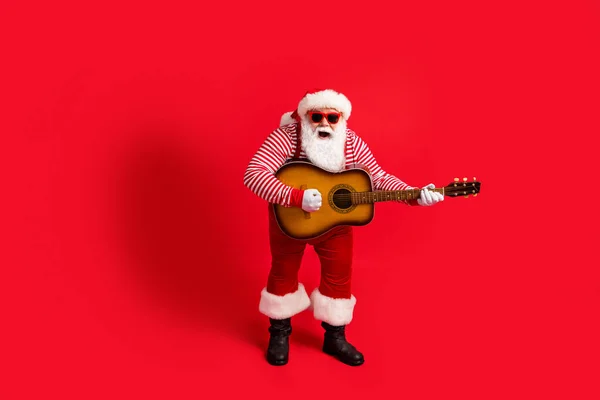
280,146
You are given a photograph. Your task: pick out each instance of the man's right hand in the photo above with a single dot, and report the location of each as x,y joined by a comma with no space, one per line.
311,200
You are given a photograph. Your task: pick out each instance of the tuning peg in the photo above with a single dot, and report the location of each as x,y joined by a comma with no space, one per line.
465,179
467,196
475,195
455,179
474,178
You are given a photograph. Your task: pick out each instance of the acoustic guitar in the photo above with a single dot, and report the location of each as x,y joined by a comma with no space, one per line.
348,198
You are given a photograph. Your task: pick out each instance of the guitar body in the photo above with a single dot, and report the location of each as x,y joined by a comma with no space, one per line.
335,211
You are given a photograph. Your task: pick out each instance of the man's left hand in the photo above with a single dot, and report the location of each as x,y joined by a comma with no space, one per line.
428,197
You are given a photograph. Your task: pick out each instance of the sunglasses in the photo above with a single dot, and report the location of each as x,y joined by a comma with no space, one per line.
332,117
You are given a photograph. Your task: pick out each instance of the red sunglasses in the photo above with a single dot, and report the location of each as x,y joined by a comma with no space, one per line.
317,116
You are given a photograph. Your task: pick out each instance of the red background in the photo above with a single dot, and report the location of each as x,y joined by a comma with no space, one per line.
133,257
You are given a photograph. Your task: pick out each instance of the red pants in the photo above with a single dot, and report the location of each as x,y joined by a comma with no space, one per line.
334,250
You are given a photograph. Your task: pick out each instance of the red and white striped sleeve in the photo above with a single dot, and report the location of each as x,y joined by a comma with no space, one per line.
381,179
260,174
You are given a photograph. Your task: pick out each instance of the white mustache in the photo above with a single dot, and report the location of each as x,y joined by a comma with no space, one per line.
325,129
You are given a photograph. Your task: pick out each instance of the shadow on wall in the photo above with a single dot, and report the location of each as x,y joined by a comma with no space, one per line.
177,236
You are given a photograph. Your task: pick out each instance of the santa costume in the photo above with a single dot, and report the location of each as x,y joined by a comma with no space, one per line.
332,147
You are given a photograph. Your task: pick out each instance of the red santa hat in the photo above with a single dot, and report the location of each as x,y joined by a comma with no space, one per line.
316,99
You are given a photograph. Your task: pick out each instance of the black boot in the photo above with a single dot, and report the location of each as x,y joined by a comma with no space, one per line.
279,347
335,344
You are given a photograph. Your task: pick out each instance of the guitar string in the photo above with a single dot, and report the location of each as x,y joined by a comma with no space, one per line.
378,194
390,195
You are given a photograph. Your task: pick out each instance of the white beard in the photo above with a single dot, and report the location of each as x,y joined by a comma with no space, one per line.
328,153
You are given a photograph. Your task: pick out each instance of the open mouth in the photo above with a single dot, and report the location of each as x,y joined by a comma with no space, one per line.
323,134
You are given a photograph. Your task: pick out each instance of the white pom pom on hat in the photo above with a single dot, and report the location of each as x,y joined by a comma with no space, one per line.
288,118
318,99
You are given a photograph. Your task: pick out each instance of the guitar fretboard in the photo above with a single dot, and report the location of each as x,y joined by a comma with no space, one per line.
388,195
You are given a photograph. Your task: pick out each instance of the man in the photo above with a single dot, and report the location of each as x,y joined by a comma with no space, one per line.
316,132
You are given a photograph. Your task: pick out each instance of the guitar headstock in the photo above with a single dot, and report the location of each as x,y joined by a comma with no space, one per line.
464,188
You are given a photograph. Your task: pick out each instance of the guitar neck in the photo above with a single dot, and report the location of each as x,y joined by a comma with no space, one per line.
389,195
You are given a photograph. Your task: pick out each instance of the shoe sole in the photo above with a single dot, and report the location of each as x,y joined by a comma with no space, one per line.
277,363
352,364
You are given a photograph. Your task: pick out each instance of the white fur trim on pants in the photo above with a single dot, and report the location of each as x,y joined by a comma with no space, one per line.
335,312
281,307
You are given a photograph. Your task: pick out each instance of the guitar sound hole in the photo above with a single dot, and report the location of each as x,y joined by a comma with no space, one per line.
342,199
